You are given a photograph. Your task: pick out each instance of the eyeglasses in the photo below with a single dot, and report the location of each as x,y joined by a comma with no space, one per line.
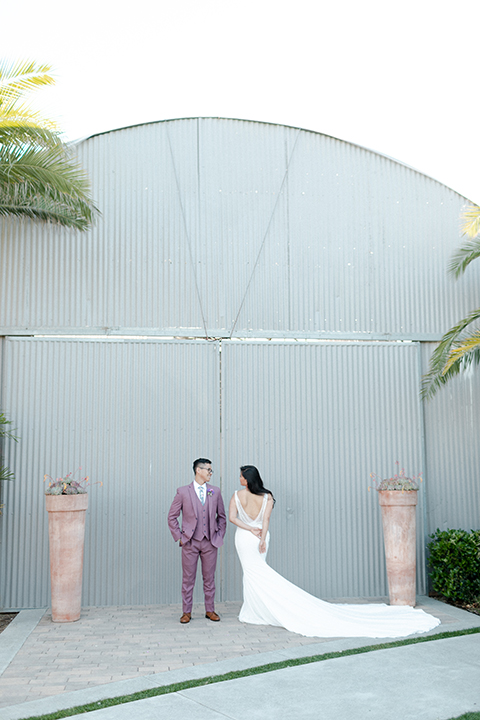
209,470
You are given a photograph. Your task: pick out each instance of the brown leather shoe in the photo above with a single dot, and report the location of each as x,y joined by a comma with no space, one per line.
212,616
185,618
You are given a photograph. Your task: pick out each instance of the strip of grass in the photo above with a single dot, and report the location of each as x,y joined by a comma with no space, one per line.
236,674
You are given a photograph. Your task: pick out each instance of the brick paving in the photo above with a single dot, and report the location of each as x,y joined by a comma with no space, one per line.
119,643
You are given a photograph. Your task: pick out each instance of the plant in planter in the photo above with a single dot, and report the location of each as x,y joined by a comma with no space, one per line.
398,482
66,503
67,485
398,499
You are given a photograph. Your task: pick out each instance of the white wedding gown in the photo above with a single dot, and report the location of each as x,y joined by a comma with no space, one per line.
270,599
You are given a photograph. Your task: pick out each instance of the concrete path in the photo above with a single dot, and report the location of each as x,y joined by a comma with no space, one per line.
435,681
116,651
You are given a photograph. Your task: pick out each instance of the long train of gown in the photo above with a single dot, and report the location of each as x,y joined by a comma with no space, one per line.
270,599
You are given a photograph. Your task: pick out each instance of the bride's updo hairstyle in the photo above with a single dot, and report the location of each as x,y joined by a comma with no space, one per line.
254,481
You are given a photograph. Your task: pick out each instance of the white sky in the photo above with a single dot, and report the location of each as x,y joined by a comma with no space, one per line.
398,78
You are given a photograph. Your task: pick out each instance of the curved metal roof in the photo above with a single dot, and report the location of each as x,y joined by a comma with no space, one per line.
233,228
263,122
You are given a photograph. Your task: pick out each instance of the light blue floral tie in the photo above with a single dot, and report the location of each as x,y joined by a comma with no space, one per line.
201,490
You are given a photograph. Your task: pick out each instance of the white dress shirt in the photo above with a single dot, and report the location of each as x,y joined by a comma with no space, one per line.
197,487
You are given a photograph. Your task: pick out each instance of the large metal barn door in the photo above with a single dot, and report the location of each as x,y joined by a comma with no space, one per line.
132,414
317,419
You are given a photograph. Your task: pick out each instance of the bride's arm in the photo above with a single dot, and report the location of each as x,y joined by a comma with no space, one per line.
266,520
232,516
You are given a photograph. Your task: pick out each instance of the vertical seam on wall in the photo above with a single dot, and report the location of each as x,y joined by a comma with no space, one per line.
423,446
289,269
220,428
186,231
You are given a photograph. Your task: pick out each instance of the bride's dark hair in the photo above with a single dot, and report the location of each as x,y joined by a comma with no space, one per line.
254,481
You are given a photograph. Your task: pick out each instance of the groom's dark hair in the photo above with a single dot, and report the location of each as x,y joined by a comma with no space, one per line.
200,461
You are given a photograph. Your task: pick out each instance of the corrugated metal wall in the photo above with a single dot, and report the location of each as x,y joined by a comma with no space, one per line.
315,418
133,415
236,228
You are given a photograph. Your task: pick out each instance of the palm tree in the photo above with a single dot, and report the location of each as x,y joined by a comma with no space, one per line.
39,175
460,346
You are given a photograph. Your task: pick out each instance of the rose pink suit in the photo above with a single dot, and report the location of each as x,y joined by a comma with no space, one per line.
202,532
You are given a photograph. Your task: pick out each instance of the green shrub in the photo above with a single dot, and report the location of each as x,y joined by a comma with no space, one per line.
455,564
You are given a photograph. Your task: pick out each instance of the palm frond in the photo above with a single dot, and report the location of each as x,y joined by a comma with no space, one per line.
457,349
20,134
69,209
5,474
471,218
40,177
19,116
55,167
21,77
463,348
438,373
45,183
70,214
470,250
5,431
462,257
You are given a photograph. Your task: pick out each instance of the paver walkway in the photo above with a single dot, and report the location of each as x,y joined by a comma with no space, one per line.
118,643
147,643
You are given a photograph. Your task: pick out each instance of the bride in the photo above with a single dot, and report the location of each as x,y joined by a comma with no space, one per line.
270,599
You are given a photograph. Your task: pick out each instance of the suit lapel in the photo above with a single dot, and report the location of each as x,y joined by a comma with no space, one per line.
193,499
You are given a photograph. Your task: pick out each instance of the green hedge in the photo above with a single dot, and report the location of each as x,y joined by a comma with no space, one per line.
455,564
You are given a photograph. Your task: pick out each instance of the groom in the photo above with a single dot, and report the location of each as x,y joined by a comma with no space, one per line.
203,528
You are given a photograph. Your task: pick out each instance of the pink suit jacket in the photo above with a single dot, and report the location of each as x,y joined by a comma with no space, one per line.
185,502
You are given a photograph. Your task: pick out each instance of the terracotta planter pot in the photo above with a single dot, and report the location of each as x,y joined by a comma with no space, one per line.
399,532
66,534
